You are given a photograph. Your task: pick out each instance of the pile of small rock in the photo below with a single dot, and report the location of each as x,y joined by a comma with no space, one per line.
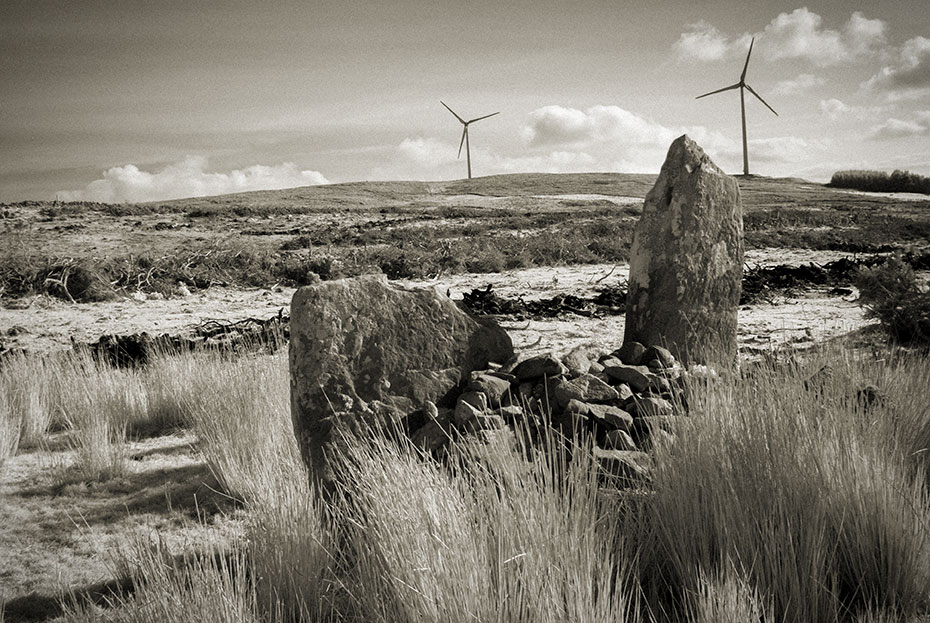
627,401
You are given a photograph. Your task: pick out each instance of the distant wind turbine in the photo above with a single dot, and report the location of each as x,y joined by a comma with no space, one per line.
742,103
464,140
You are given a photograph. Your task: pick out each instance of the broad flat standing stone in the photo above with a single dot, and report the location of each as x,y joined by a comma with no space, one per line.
364,349
686,263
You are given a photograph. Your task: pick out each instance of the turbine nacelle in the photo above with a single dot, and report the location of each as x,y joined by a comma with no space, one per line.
464,140
742,84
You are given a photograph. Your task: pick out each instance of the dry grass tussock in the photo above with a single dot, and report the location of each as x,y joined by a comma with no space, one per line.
239,409
782,498
819,503
491,537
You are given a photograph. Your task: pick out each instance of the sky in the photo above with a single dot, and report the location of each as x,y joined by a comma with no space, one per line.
138,100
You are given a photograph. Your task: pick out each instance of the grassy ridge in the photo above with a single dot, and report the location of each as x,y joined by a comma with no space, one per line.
416,252
240,261
784,496
404,229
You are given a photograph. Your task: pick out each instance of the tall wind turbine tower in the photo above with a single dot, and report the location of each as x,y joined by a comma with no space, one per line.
742,103
465,134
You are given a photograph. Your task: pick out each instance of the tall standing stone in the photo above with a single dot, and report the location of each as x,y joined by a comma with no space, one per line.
686,263
365,350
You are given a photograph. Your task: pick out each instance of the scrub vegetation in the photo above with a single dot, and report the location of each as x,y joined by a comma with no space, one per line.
88,252
786,497
879,181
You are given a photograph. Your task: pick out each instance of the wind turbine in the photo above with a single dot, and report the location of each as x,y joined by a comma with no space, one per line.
742,103
465,134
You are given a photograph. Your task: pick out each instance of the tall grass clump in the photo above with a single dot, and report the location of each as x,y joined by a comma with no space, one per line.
282,569
246,581
99,405
491,537
28,388
173,385
212,585
879,181
292,555
793,484
899,406
10,427
95,404
240,410
727,597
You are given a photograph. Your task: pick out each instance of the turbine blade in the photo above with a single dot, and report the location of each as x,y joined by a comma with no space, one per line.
742,76
462,142
484,117
452,111
732,86
761,100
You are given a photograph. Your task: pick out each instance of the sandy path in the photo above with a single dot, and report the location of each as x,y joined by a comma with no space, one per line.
50,323
798,322
896,196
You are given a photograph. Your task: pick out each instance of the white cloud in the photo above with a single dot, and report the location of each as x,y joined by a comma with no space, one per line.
426,151
619,140
560,139
796,35
558,125
800,84
556,161
703,42
834,108
799,35
189,178
898,128
431,159
910,69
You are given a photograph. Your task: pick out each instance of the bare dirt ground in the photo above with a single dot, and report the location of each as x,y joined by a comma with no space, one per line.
803,321
46,323
57,537
895,196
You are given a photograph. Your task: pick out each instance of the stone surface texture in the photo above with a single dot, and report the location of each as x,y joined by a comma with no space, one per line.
365,349
687,259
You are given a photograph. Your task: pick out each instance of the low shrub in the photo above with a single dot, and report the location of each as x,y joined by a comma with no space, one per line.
23,273
299,270
10,427
891,294
297,242
879,181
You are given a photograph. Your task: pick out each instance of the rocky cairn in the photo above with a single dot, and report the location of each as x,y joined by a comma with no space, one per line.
626,401
686,262
366,351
